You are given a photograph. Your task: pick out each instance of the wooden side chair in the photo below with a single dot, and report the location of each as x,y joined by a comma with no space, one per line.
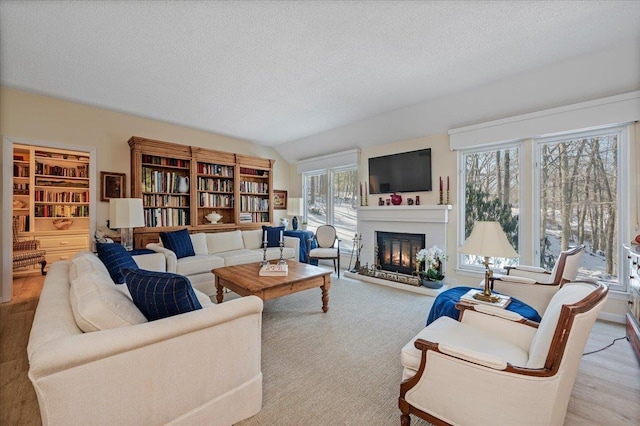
493,367
536,286
26,253
328,246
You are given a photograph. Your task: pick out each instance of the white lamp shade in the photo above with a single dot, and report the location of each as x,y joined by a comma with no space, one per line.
293,206
125,213
488,239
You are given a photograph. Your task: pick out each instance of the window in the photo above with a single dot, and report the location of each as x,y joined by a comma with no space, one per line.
491,193
578,197
330,197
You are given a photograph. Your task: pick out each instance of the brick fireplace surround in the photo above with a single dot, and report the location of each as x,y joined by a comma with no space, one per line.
430,220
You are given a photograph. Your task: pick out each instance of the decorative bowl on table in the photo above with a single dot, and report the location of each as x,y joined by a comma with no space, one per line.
63,224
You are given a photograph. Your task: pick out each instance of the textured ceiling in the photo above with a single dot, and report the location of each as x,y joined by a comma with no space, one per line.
276,72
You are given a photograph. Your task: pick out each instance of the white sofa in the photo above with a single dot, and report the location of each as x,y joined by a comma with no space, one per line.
215,250
201,367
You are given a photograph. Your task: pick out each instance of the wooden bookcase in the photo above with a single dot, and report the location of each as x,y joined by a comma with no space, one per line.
51,199
218,182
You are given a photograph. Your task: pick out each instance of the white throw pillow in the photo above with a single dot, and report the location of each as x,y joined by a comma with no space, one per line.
98,304
199,242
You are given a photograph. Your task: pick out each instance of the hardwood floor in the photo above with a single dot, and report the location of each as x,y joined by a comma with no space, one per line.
606,390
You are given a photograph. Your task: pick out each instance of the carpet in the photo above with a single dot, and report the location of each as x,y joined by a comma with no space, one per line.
338,368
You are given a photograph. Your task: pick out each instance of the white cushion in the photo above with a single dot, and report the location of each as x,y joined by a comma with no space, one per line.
202,298
252,239
541,342
198,264
97,304
199,242
239,257
453,333
324,253
85,262
224,241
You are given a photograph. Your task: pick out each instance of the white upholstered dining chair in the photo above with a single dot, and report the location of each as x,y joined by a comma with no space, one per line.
492,367
327,246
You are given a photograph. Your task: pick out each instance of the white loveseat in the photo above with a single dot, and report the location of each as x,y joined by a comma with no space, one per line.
215,250
201,367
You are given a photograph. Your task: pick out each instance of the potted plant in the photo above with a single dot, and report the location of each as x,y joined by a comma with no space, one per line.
429,266
304,225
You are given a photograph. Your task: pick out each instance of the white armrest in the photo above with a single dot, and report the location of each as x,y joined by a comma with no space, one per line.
294,243
473,356
172,260
151,262
498,312
514,279
530,268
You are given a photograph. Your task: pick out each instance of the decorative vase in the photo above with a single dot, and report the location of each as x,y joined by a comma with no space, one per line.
183,184
294,223
396,199
431,284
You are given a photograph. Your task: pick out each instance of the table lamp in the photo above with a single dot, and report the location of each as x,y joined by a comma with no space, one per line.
489,240
293,209
126,214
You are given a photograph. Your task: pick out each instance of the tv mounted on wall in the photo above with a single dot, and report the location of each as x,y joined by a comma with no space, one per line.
404,172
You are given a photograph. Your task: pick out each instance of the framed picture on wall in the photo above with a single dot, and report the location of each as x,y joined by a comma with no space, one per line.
112,185
279,199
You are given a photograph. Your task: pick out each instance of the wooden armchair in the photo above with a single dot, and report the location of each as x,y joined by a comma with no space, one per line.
536,286
26,253
492,367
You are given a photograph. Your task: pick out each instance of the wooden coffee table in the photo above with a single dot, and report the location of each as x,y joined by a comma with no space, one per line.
244,280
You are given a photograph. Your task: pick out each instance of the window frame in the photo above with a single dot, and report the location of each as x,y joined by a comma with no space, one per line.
473,269
622,188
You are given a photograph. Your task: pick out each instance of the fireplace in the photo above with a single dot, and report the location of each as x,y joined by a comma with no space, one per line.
397,251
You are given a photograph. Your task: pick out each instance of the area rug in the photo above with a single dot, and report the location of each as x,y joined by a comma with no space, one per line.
342,367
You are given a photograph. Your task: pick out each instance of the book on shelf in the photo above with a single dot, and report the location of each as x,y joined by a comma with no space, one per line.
503,301
274,270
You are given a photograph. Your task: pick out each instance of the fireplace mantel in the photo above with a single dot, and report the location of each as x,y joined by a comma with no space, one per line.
424,213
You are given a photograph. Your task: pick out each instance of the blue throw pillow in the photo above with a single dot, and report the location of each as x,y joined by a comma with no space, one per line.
273,235
161,294
178,242
115,258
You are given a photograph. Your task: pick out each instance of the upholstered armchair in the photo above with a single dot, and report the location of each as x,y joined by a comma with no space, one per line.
536,286
492,367
328,246
26,253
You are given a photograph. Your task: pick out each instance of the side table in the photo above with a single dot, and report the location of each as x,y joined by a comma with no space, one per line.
445,304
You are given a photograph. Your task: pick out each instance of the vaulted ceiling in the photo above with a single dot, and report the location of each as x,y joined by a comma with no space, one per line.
276,73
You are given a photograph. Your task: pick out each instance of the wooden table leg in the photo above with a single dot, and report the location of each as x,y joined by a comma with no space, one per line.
219,291
325,295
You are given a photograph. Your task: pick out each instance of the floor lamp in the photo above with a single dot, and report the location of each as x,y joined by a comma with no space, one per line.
126,214
489,240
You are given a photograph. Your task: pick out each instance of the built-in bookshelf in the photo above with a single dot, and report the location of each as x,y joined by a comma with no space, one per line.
216,185
51,198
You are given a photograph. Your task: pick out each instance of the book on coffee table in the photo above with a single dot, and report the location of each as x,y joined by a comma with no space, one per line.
502,303
272,270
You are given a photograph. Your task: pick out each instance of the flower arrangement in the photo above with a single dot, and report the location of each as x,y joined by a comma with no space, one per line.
432,259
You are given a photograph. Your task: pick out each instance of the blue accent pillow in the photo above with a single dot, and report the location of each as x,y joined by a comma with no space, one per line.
115,258
161,294
273,235
178,242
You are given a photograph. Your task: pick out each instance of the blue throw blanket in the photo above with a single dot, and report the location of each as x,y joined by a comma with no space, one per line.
445,304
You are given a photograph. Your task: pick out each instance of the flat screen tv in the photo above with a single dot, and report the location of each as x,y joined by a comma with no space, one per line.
404,172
